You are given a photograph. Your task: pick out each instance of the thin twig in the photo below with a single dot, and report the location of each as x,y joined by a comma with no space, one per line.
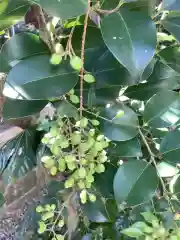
155,164
110,11
82,56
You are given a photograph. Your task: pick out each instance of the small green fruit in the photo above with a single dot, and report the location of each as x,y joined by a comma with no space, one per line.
100,168
81,184
59,237
74,99
76,63
53,171
39,209
95,122
90,178
62,165
64,144
56,59
71,92
89,78
47,216
119,114
61,223
92,197
92,132
82,172
83,196
71,166
42,227
69,183
76,138
70,158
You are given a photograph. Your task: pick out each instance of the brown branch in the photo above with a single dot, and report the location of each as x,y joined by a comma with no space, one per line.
82,56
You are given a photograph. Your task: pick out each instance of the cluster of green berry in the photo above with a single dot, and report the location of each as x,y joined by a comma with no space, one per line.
151,229
48,213
77,150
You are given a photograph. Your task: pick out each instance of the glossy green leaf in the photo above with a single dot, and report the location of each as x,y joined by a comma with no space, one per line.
171,5
14,11
96,212
23,158
131,46
25,107
147,6
64,9
170,147
119,129
135,182
172,24
18,47
129,148
162,78
35,78
171,56
162,110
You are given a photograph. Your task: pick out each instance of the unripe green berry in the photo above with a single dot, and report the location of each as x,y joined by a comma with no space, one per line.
76,138
92,132
61,223
69,183
64,144
81,184
100,168
74,99
82,172
76,63
71,166
53,171
95,122
90,178
56,59
92,197
70,158
89,78
39,209
62,165
59,237
42,227
83,196
47,216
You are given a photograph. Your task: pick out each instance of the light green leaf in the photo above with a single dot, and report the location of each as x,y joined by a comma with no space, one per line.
64,9
171,5
129,148
149,217
162,78
35,78
170,147
18,47
119,129
14,11
135,182
162,110
3,6
25,107
172,24
142,226
132,46
132,232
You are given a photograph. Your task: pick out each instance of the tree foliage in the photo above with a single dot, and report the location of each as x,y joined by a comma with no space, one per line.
110,71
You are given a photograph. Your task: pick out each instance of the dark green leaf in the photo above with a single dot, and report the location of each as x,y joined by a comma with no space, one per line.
25,107
19,47
23,158
64,9
170,147
171,57
64,108
119,129
175,186
110,75
147,6
162,110
129,148
171,5
14,11
35,78
135,182
162,78
132,47
172,23
96,212
2,200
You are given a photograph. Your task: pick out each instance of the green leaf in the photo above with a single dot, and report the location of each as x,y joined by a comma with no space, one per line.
135,183
64,108
18,47
122,41
132,232
96,211
170,147
35,78
14,11
149,217
129,148
175,186
25,107
147,6
119,129
162,110
64,9
171,56
23,158
162,78
171,5
2,200
143,227
166,170
3,6
172,23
